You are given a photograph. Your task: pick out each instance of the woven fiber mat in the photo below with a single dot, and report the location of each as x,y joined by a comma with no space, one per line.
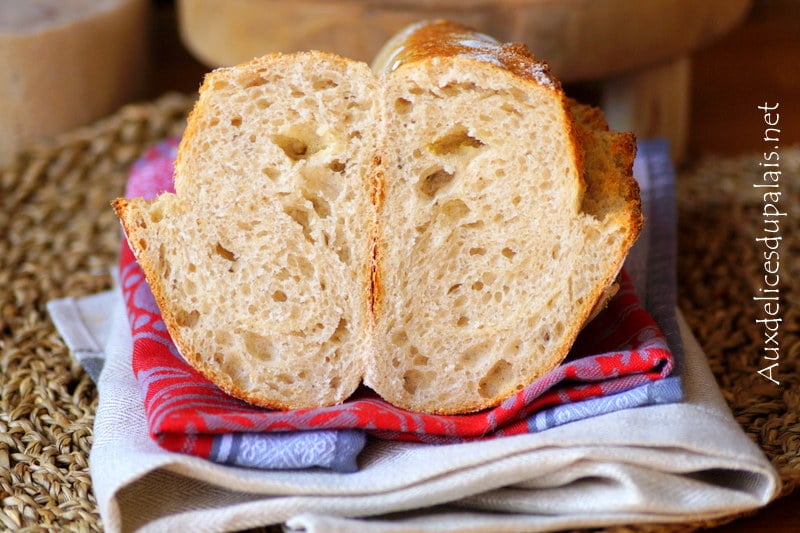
59,237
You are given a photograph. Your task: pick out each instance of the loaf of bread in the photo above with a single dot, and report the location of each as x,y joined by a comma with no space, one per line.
439,228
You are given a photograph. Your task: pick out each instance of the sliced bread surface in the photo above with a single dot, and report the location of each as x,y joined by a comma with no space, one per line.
488,262
261,261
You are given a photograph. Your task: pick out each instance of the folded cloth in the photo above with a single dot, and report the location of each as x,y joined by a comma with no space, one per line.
661,462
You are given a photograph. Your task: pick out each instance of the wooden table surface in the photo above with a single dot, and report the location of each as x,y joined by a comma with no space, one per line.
755,63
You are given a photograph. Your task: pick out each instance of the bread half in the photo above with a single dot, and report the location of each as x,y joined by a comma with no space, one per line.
262,261
505,217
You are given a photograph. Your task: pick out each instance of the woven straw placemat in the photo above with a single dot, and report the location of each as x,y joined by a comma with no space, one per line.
59,237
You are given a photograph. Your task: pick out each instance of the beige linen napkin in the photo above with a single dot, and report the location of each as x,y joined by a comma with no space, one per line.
673,462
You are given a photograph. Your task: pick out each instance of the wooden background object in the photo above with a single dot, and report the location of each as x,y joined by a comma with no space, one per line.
65,63
637,51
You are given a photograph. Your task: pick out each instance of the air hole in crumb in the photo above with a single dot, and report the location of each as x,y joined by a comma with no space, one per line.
456,140
496,380
513,347
336,166
433,182
520,95
190,287
455,209
302,266
477,251
236,121
293,147
334,382
510,109
343,252
412,379
340,333
400,338
271,173
323,84
453,288
508,252
300,216
251,79
473,225
285,378
224,253
156,213
186,318
258,346
420,360
472,355
453,89
321,206
402,106
462,321
279,296
222,337
166,269
477,286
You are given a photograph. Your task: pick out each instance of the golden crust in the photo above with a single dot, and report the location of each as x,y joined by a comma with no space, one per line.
444,38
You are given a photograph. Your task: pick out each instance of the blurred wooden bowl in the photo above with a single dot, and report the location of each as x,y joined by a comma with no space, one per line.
581,39
66,63
638,53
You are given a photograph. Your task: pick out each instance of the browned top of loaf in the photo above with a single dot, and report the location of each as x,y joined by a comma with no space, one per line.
445,38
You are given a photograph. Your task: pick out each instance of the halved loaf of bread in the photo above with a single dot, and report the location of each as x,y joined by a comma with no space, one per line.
441,230
261,263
